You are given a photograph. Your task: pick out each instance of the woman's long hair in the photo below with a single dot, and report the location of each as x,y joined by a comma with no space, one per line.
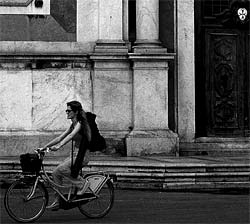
81,117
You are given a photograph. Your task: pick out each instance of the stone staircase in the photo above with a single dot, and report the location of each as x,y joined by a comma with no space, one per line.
213,146
157,172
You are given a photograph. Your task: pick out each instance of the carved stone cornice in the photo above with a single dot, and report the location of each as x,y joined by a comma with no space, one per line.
41,61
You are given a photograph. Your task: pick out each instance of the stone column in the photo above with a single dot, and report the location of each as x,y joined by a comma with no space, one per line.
147,25
87,21
125,22
110,27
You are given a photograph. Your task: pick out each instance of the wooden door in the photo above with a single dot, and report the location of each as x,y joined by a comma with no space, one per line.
225,74
222,69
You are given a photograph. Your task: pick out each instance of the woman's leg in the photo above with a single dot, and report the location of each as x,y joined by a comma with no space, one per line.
63,171
86,184
58,178
79,182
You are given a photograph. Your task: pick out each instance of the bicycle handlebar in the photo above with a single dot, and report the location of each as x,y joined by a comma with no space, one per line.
42,151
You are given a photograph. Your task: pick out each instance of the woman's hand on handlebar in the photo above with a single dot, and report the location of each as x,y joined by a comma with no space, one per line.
39,150
55,148
47,149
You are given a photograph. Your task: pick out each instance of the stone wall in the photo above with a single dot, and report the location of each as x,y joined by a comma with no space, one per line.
33,100
35,90
126,88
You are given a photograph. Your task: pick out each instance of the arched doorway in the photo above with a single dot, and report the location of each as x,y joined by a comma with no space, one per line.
222,68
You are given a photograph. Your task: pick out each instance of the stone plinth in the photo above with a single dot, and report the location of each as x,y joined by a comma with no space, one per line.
150,134
112,88
141,143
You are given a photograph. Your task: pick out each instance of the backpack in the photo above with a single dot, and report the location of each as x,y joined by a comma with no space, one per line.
97,142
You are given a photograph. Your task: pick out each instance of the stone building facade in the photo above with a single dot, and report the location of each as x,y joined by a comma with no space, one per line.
131,62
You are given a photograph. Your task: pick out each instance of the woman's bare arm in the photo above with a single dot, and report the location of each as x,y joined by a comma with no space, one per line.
69,136
58,139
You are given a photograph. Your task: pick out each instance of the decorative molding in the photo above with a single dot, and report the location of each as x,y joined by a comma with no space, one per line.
152,56
25,7
18,3
43,61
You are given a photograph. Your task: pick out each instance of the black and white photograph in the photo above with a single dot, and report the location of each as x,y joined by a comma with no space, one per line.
125,111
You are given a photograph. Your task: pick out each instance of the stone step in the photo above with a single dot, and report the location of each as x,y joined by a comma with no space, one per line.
116,166
216,146
125,182
153,174
163,181
186,186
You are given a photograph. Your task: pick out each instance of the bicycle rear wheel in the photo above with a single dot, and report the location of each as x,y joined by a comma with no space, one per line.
19,206
100,206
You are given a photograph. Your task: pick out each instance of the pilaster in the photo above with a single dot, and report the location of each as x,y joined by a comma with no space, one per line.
150,134
186,71
111,78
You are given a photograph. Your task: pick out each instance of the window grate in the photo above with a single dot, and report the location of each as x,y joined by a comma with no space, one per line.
213,7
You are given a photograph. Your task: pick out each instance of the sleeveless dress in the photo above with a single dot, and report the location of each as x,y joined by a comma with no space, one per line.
63,171
76,145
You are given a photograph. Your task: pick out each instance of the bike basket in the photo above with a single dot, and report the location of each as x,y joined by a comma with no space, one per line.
30,163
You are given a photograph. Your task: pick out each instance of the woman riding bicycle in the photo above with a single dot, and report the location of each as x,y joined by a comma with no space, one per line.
79,132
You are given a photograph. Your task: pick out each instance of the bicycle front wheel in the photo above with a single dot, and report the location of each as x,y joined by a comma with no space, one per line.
100,206
22,203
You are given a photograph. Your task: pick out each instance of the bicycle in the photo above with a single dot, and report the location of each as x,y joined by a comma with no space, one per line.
26,199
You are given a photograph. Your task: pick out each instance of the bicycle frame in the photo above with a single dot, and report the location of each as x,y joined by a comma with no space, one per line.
26,199
45,178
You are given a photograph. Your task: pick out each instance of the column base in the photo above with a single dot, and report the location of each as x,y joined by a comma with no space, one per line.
111,46
141,143
149,46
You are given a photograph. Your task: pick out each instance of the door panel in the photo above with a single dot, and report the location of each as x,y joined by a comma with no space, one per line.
224,82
